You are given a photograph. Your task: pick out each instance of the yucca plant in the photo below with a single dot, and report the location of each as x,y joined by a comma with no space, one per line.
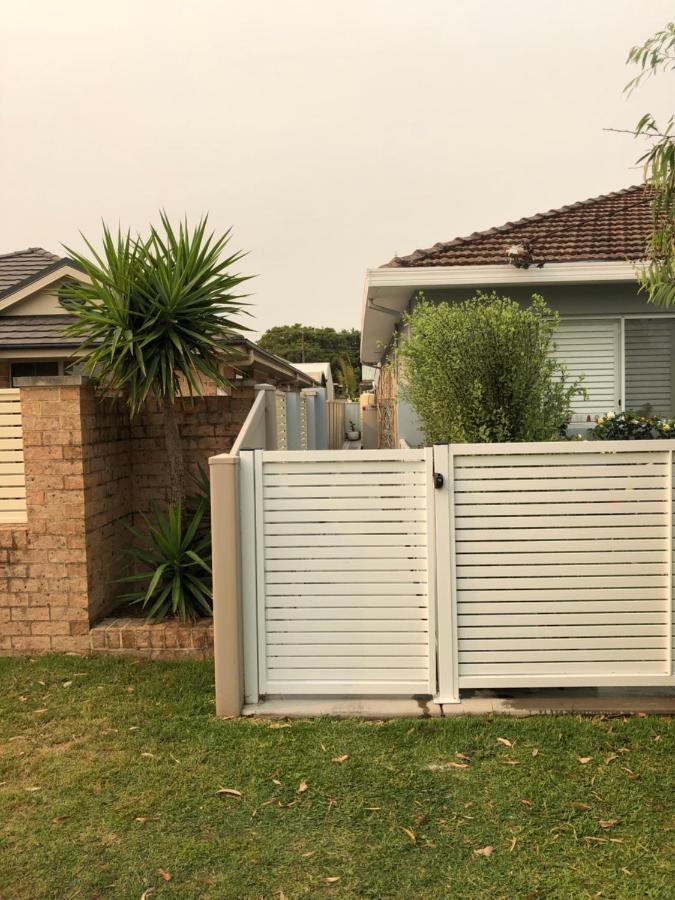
175,561
155,318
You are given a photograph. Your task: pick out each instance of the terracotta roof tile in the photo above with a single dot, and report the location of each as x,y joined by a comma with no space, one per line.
613,226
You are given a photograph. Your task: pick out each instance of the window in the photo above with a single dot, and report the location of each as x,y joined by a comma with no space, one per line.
34,369
627,363
649,348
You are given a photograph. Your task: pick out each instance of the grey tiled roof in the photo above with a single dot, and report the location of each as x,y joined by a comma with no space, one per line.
31,332
23,266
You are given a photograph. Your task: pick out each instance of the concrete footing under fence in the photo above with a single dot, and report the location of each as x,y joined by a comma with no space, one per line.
518,702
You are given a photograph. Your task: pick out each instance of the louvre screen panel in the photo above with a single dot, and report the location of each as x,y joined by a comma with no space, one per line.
649,352
591,347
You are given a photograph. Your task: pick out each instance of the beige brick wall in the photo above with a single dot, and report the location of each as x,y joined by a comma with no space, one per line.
87,471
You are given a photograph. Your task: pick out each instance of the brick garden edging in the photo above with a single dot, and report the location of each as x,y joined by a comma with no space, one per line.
170,640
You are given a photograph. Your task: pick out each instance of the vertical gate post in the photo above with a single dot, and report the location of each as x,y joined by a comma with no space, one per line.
227,606
446,588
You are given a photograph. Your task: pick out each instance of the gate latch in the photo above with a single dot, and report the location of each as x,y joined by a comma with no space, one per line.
438,481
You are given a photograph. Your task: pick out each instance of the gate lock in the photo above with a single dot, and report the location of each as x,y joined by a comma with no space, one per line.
438,481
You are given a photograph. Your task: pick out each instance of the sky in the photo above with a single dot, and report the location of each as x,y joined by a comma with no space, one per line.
329,134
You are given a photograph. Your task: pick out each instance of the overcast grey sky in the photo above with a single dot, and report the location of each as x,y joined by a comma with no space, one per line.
330,134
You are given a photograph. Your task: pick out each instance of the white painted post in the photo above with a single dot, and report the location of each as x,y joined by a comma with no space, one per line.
227,609
293,421
446,589
270,415
249,593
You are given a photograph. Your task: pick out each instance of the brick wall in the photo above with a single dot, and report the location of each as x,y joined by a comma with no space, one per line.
87,471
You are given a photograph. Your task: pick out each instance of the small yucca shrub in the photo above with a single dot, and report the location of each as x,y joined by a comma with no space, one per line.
175,557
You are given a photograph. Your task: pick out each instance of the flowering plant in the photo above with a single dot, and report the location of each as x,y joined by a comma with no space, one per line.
628,426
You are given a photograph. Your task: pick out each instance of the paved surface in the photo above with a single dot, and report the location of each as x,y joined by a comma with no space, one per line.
520,702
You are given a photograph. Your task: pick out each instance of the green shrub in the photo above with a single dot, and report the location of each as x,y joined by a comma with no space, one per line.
481,371
627,426
176,560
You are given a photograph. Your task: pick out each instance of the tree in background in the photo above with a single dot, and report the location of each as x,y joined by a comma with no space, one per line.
482,371
303,343
657,277
346,377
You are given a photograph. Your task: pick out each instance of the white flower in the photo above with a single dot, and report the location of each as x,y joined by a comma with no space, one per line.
610,414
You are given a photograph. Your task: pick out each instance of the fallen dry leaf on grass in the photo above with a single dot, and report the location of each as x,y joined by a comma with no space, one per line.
577,804
535,752
148,755
276,725
608,823
147,893
33,789
165,875
331,879
67,684
505,741
276,781
57,820
340,759
525,802
302,787
514,841
229,792
584,759
455,765
461,756
409,833
484,851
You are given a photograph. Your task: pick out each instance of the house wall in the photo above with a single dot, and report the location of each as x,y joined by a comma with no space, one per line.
567,299
88,472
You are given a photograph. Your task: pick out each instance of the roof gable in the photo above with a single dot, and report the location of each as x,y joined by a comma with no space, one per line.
23,266
614,226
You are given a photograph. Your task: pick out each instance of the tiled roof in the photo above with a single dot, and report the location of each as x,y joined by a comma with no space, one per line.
32,332
23,266
613,226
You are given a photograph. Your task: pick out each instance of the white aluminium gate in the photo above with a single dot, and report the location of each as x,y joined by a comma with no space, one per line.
337,552
560,569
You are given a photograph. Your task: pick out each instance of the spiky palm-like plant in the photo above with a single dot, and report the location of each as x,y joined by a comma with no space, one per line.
155,318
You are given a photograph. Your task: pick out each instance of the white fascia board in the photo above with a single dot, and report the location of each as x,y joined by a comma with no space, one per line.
551,273
391,288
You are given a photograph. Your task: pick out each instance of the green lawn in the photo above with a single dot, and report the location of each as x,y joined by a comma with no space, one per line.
110,772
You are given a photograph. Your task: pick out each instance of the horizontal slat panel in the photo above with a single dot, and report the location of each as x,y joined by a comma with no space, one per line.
363,493
292,479
574,455
580,592
554,509
533,629
384,527
593,550
410,625
590,560
648,469
306,686
341,673
553,581
354,614
307,598
382,557
362,639
295,505
602,494
394,565
329,579
566,667
568,643
513,520
616,570
584,620
348,542
9,517
579,607
396,665
544,656
562,533
549,486
350,515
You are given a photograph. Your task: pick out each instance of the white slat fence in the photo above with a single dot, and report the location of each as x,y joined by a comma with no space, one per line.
12,472
423,572
343,593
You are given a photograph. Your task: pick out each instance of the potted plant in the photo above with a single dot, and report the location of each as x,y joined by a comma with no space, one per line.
353,434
